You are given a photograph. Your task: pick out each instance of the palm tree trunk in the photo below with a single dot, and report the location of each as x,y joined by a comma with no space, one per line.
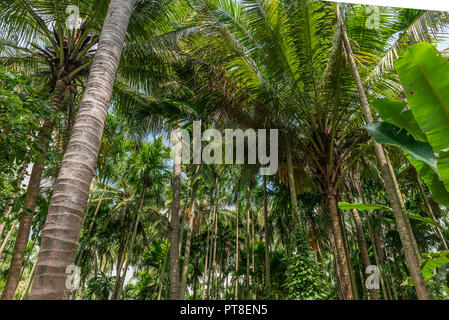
214,255
183,220
8,235
67,207
267,236
133,239
174,225
361,240
9,206
121,254
206,257
248,241
28,282
29,206
429,207
292,184
342,259
405,233
185,266
236,291
161,276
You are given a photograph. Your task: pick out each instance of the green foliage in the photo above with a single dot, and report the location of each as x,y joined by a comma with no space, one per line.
361,206
20,112
430,263
305,279
420,131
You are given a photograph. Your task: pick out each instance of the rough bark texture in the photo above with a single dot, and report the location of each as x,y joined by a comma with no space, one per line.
185,266
27,216
267,236
248,241
360,235
174,228
403,225
342,260
10,204
67,207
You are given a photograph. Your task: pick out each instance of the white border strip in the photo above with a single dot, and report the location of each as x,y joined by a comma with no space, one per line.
436,5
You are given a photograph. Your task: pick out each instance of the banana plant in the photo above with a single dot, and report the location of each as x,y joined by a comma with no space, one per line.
420,125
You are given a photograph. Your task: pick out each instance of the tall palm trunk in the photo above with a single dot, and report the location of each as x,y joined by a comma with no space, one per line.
174,224
361,240
267,236
342,259
185,266
8,235
214,254
183,220
432,215
236,291
161,275
30,202
67,207
292,184
10,204
206,257
389,178
133,239
248,241
121,254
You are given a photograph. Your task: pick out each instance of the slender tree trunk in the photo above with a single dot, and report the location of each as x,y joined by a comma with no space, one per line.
248,241
10,204
209,271
214,255
185,266
8,235
267,236
183,220
161,276
342,259
403,225
121,254
292,184
361,241
28,282
236,291
206,257
429,207
174,223
133,239
67,207
26,218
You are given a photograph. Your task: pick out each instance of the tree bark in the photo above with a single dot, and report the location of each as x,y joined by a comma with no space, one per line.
161,276
361,240
403,225
185,266
342,259
429,207
236,291
121,254
248,241
214,254
67,207
26,218
174,226
10,204
8,235
292,184
267,236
